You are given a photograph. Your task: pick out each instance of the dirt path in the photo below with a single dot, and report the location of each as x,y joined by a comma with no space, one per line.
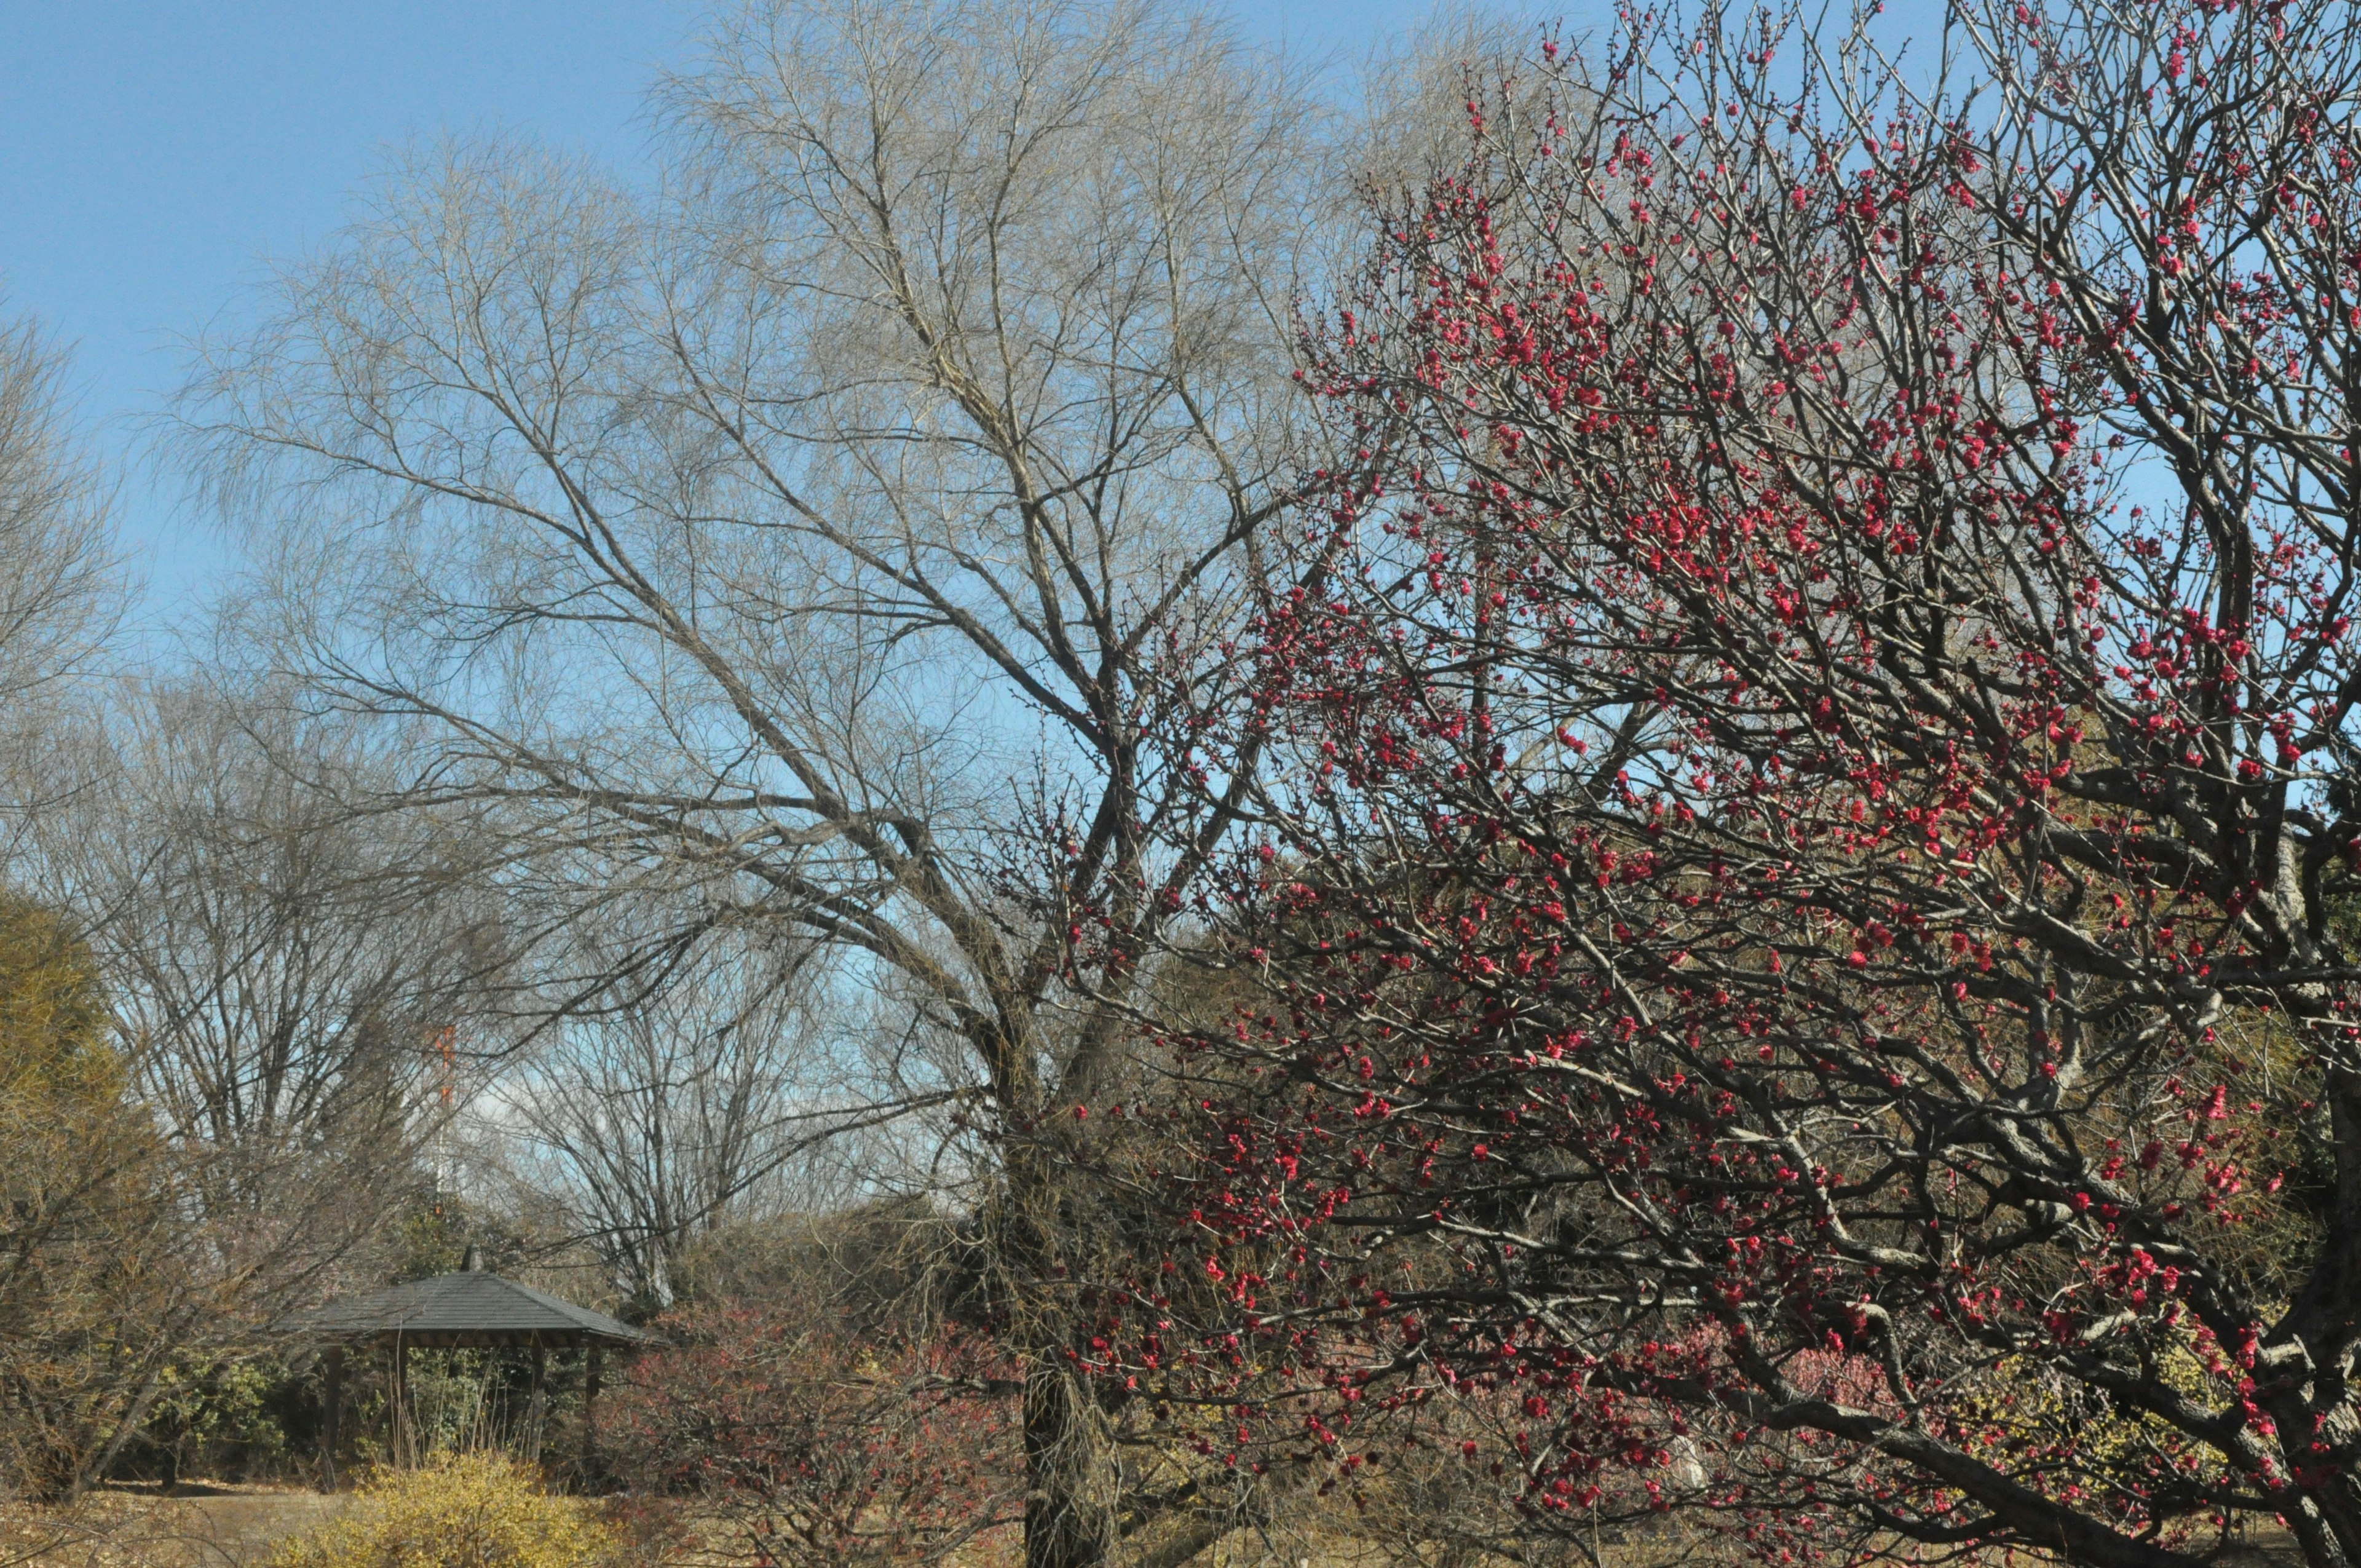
201,1527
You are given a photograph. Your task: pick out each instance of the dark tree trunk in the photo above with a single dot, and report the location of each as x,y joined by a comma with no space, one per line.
126,1427
1070,1483
1069,1516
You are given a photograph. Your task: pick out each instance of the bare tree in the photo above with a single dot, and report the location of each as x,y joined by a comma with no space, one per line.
804,546
687,1111
275,974
278,970
58,578
61,585
258,976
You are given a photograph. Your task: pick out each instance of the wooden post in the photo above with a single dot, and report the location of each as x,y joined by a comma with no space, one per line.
332,1398
401,1401
589,1416
533,1407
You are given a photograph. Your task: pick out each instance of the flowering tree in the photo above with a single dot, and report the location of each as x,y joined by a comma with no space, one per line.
804,1446
1803,938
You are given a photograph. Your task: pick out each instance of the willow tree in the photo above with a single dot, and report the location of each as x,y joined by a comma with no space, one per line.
801,545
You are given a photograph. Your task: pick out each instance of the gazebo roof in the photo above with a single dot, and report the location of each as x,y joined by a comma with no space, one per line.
469,1308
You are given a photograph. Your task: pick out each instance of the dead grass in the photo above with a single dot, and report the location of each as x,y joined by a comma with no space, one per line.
218,1526
226,1526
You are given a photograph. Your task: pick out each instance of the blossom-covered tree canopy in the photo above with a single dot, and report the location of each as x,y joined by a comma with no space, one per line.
1803,926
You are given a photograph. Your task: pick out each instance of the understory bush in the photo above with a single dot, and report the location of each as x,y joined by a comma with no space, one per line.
776,1438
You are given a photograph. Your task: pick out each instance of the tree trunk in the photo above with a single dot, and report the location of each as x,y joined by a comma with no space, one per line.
125,1427
1070,1483
1069,1515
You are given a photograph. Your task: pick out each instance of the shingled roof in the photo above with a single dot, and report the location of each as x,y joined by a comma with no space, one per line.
469,1308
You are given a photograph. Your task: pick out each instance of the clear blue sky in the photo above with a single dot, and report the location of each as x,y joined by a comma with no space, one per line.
154,153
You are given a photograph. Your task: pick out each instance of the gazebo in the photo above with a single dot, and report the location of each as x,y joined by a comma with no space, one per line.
468,1309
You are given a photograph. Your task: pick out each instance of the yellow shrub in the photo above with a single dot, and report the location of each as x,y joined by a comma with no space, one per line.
469,1510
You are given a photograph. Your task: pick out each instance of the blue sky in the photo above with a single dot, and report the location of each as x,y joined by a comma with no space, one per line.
154,154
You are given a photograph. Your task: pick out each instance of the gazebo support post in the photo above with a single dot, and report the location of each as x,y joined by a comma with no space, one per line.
589,1415
533,1407
401,1401
332,1400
